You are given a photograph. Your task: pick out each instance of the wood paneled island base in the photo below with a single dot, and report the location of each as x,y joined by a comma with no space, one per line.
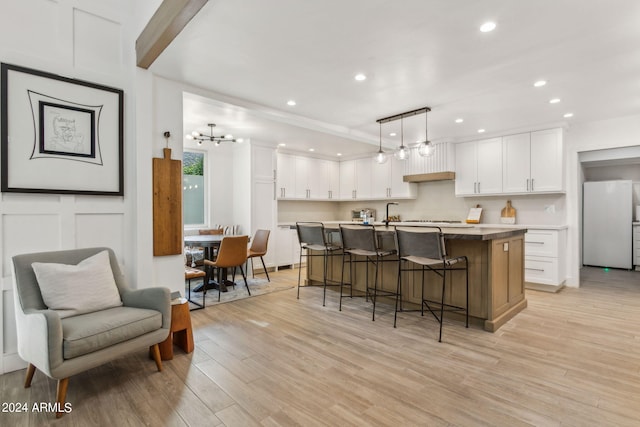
496,273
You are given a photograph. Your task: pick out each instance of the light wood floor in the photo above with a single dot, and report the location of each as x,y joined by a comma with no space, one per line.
570,359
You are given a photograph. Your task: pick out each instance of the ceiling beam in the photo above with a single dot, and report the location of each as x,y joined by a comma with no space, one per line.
164,26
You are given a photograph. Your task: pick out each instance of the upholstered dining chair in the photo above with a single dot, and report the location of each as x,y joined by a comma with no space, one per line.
74,312
232,254
258,248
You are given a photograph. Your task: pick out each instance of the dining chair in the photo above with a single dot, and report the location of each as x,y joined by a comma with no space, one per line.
231,254
258,248
422,249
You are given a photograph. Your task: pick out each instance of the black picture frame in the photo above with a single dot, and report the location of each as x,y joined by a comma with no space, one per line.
60,135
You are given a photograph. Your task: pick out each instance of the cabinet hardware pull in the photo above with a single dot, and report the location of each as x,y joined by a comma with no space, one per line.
527,184
533,241
475,186
478,187
532,181
534,269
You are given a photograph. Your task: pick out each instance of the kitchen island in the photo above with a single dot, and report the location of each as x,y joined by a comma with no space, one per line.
496,272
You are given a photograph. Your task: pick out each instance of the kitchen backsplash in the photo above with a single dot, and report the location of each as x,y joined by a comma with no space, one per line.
436,200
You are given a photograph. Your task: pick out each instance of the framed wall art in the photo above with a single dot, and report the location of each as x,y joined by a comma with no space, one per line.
60,135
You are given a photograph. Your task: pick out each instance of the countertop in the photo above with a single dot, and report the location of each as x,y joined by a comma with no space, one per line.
449,226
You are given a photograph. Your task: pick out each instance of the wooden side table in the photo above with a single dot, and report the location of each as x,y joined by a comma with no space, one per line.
181,333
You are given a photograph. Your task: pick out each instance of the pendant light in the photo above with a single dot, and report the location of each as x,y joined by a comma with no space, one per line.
402,153
381,157
425,149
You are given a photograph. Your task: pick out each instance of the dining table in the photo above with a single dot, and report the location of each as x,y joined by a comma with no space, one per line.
210,242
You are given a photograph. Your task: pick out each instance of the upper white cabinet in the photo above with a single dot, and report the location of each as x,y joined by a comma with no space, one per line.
479,167
300,178
533,162
306,178
333,179
387,180
285,176
355,179
347,179
547,161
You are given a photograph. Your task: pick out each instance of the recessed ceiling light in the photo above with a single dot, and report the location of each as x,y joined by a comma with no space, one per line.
282,144
481,130
240,140
228,136
291,102
566,116
392,134
488,26
554,101
459,120
339,154
540,83
312,149
360,77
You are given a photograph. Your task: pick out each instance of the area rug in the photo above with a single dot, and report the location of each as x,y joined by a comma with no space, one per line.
258,286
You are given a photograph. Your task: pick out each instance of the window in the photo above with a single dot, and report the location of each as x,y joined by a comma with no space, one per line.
193,199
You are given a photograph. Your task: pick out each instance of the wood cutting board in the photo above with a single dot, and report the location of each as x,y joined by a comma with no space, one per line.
167,205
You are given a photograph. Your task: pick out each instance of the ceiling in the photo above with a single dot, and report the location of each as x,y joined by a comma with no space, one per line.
255,55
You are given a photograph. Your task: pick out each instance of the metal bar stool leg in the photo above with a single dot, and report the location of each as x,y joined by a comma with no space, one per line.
299,272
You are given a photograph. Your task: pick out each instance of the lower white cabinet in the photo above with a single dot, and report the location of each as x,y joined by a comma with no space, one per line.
636,246
287,247
544,257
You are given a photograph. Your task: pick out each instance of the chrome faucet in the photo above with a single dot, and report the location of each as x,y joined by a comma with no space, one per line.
386,219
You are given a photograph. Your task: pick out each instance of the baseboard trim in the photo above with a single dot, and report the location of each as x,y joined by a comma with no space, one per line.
542,287
12,362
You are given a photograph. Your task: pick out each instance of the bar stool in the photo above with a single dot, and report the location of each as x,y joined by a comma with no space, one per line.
312,237
361,240
424,246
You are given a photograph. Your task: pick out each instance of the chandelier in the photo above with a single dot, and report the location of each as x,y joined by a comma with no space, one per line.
425,148
197,136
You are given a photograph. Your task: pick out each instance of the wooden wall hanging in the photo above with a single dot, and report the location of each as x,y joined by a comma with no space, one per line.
167,205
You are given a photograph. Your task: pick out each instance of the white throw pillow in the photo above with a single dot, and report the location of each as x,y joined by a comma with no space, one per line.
76,289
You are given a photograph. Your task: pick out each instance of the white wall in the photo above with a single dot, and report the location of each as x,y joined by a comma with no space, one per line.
613,133
92,41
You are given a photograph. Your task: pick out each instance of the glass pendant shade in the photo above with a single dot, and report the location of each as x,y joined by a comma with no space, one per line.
425,149
381,156
402,153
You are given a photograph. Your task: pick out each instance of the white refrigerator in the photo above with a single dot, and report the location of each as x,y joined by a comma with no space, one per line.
607,216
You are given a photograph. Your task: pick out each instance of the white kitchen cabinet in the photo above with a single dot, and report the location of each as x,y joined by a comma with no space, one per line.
636,246
533,162
544,257
516,151
307,178
256,195
302,188
333,179
380,180
347,179
355,179
287,246
479,167
286,176
364,169
547,161
323,179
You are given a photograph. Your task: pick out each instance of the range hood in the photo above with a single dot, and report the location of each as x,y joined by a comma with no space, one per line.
426,177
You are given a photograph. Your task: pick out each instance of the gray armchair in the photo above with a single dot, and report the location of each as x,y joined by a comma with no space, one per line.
62,347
